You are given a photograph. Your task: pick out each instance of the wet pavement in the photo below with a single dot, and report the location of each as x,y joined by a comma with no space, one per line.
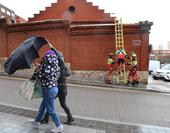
10,123
15,120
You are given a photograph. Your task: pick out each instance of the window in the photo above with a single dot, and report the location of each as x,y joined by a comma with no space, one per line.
8,12
3,10
71,9
12,14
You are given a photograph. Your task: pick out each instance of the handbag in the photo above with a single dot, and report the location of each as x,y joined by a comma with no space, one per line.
37,91
26,89
67,71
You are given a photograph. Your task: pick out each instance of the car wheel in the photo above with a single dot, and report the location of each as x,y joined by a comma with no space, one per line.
166,80
156,78
150,72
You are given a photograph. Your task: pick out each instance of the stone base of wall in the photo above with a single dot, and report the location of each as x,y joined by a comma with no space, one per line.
2,60
102,75
143,76
90,75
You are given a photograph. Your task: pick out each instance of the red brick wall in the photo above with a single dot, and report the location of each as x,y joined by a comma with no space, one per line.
86,48
90,46
20,20
89,52
55,32
3,48
84,11
134,32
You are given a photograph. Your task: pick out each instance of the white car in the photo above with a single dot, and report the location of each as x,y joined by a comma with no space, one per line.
160,73
154,65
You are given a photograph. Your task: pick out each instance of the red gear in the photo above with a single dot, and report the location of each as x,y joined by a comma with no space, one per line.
133,74
110,71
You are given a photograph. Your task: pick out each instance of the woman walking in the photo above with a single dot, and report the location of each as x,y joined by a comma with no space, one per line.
62,92
48,72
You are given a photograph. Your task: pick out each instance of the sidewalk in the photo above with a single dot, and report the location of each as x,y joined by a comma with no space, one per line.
16,120
11,123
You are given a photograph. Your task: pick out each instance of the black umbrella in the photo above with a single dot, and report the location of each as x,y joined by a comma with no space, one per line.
23,56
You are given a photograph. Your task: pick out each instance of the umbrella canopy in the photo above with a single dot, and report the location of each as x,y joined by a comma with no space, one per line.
23,56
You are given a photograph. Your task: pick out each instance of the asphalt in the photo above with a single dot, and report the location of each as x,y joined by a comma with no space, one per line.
73,79
16,120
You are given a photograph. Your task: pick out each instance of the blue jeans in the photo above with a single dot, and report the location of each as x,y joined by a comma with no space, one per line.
48,104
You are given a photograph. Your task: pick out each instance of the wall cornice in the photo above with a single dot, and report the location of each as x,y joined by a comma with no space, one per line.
38,25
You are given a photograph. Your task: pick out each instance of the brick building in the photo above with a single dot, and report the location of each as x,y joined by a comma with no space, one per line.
162,55
7,13
83,33
10,15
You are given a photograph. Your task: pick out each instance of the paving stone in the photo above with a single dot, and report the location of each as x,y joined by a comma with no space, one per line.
17,121
12,123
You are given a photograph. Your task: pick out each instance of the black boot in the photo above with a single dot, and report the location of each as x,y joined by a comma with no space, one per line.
127,83
45,119
69,121
137,82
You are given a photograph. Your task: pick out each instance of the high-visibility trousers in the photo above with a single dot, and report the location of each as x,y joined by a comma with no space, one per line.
110,72
133,74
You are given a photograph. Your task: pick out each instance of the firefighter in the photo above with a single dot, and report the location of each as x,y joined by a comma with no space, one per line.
133,76
120,56
110,63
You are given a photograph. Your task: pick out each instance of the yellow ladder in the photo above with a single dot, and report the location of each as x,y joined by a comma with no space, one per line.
120,45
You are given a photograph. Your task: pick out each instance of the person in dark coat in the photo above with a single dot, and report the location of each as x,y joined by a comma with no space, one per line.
48,73
62,93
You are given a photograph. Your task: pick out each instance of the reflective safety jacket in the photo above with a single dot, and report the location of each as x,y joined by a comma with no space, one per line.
134,60
120,54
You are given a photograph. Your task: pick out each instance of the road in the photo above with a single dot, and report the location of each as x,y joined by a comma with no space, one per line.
158,85
115,105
